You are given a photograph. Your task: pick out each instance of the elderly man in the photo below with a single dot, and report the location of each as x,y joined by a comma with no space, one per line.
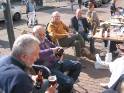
60,32
81,25
56,64
14,69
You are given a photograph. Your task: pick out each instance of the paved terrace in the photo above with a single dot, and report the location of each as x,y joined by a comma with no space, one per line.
89,78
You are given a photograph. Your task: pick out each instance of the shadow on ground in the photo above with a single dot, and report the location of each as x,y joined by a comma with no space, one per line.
15,23
89,69
4,44
95,73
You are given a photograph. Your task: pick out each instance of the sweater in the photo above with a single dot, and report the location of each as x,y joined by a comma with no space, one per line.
58,30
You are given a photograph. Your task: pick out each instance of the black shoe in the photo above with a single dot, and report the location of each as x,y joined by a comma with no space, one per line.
115,54
82,62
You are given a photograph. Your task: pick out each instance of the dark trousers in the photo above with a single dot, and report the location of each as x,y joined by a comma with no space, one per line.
91,40
112,45
80,3
66,81
109,91
75,40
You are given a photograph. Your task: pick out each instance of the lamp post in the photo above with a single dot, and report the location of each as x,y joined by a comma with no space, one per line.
9,22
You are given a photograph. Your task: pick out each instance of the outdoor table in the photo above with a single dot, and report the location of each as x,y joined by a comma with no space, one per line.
114,21
118,37
117,17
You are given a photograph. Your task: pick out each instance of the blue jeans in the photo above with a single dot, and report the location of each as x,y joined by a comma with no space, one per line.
66,81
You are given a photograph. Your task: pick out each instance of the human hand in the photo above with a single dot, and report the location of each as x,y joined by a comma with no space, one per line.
70,34
59,53
52,89
55,49
33,77
61,58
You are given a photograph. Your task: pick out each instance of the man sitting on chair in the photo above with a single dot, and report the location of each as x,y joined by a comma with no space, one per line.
81,26
60,32
54,61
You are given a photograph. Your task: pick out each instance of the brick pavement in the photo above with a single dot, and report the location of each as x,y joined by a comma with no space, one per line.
89,78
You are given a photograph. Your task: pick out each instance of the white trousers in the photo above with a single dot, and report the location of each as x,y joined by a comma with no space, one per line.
116,68
31,18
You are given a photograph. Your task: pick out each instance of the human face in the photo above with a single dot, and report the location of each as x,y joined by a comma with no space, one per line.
42,34
79,14
92,8
56,17
29,59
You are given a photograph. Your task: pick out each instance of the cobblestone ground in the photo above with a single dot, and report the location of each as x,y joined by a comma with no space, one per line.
90,78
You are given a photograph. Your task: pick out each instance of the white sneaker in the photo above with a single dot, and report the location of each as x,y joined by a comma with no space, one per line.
104,85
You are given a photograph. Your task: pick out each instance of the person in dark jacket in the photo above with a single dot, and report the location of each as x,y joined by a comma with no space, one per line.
81,25
14,69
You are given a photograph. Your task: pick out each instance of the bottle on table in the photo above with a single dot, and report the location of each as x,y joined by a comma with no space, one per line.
108,32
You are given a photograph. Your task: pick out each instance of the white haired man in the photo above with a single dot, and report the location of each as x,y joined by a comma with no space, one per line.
81,26
56,63
60,32
14,69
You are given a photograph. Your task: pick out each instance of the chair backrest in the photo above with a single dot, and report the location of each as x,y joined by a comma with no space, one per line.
47,33
45,70
49,37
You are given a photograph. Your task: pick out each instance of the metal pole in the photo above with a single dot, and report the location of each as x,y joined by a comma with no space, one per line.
9,22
